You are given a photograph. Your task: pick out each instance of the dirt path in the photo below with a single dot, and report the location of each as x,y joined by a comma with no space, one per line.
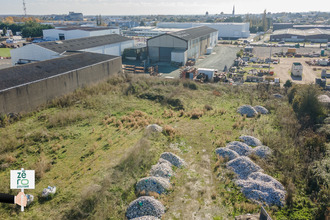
195,195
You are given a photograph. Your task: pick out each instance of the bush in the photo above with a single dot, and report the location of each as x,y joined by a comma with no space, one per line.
190,85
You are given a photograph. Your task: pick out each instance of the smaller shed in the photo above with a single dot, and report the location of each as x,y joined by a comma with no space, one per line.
297,69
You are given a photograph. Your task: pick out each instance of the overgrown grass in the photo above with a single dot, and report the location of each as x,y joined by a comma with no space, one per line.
92,145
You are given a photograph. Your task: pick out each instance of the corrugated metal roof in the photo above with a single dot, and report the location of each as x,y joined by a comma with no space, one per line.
84,28
18,75
299,32
193,33
83,43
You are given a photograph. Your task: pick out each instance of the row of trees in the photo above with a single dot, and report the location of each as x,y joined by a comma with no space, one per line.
28,29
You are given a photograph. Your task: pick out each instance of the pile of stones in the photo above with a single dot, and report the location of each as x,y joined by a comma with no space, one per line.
255,185
251,112
147,207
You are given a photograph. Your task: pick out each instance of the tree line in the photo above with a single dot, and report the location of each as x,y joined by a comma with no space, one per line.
28,29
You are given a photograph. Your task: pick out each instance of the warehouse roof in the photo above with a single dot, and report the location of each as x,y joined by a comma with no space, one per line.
298,32
18,75
84,28
83,43
193,33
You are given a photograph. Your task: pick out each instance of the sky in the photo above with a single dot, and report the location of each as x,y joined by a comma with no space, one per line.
162,7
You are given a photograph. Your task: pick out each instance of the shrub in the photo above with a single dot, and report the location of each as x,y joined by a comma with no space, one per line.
190,85
208,108
169,131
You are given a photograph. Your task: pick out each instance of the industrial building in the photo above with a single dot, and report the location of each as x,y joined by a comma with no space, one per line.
112,44
181,45
148,31
25,87
68,33
225,30
281,26
295,35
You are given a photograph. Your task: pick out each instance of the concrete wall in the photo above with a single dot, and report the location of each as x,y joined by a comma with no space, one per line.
28,97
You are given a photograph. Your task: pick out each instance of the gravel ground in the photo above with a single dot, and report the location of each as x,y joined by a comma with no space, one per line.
153,184
250,140
243,167
5,64
247,110
154,128
173,159
226,153
239,147
145,206
260,109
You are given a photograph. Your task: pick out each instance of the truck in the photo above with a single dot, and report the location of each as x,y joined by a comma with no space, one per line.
297,69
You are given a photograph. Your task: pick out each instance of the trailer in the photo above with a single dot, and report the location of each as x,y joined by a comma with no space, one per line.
209,73
297,69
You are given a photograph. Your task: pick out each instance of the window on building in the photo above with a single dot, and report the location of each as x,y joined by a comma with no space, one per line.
61,37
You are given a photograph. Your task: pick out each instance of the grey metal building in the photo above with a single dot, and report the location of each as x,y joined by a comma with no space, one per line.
295,35
181,45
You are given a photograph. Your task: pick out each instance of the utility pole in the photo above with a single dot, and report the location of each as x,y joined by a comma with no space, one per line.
24,8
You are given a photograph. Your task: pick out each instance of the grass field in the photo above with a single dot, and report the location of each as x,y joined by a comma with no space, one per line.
92,145
5,52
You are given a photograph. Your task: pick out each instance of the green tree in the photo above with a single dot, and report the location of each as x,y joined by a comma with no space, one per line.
264,21
4,31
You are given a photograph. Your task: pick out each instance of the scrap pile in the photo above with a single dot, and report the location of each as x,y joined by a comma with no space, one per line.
188,72
256,185
133,69
147,207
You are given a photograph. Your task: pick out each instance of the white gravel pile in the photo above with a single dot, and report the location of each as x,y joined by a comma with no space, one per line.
262,151
324,99
250,140
173,159
260,109
145,206
243,167
247,110
279,96
262,188
239,147
163,170
154,128
153,184
226,153
146,218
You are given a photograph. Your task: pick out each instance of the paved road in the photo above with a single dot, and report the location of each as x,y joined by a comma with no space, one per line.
223,55
5,64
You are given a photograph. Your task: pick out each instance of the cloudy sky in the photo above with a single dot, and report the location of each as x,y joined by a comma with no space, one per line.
138,7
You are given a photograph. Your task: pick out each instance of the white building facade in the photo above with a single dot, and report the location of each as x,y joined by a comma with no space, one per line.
225,30
77,32
108,44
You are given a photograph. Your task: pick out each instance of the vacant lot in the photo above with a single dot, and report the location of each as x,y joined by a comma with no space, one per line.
283,71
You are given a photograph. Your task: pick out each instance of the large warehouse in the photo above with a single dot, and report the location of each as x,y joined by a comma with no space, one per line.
25,87
294,35
112,44
225,30
181,45
68,33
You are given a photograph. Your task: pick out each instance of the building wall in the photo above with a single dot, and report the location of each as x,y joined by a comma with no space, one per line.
53,34
225,30
28,97
112,49
32,52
